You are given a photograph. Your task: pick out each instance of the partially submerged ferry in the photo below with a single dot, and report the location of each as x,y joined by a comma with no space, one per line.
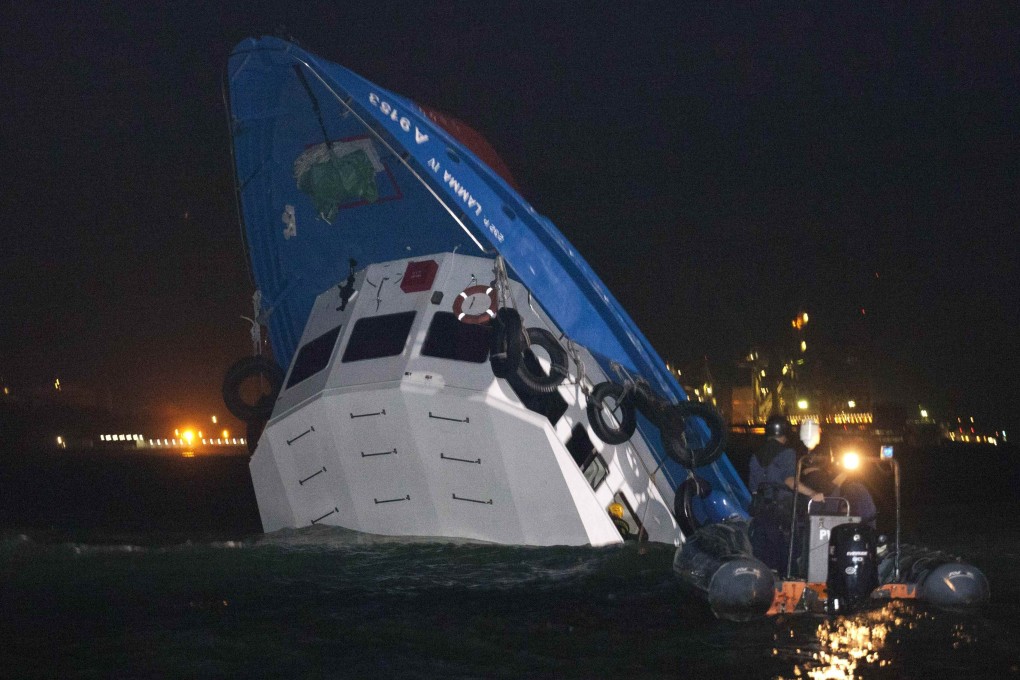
444,363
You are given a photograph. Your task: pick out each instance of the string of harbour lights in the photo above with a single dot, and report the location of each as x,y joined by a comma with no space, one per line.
171,442
972,438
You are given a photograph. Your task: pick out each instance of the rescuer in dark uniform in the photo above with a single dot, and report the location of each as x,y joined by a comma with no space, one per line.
773,479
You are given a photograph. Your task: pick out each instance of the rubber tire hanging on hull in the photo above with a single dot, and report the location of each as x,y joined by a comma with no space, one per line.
507,342
510,340
254,429
536,382
673,431
716,444
683,502
244,369
627,422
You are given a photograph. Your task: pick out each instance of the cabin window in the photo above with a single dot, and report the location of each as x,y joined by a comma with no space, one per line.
375,337
449,338
550,405
313,357
587,458
596,471
580,445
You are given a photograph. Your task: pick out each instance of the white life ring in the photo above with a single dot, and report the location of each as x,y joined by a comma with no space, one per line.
475,304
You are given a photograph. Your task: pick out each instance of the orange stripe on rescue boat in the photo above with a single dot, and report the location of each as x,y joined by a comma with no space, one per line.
796,596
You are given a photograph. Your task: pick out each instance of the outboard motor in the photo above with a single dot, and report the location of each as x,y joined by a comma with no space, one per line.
853,566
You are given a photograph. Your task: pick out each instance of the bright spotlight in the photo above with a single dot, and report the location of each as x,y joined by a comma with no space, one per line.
851,460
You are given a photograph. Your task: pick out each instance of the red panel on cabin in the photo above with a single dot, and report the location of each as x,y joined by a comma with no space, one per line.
419,276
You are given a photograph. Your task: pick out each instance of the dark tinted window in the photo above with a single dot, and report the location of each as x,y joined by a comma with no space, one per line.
451,339
583,452
379,336
580,446
313,356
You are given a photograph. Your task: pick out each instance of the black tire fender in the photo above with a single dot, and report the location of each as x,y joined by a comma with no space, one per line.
254,429
253,432
674,438
673,431
244,369
558,369
626,423
683,508
716,444
506,347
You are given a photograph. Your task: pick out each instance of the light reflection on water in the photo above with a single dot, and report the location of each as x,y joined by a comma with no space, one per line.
846,646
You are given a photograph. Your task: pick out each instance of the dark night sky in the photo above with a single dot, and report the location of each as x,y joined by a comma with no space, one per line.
721,169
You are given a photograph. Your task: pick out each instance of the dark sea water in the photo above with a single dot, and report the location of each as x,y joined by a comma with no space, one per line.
156,568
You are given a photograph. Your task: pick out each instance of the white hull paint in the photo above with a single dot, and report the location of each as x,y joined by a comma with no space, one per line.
415,445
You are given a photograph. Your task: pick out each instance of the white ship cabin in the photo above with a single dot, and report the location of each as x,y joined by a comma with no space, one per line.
390,421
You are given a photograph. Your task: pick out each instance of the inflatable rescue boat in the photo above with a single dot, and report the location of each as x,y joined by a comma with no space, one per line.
835,562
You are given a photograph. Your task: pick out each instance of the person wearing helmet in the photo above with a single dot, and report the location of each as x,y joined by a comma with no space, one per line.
773,480
775,463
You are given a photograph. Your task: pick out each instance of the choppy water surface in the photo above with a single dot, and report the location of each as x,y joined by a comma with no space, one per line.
330,603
